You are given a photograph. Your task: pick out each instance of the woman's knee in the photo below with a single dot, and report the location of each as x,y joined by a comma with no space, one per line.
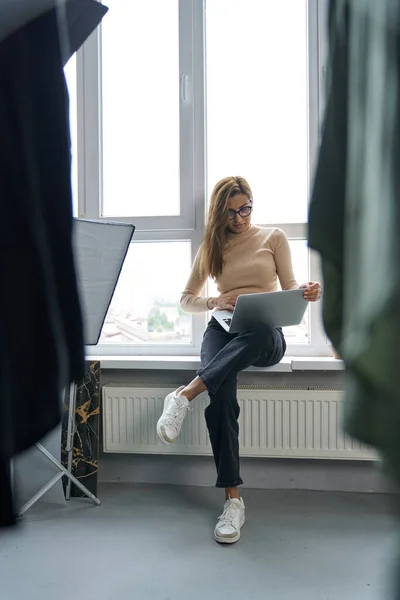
273,348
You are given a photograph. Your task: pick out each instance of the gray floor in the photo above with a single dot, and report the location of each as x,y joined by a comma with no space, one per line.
155,543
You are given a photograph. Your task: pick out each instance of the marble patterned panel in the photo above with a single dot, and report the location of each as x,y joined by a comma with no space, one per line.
85,454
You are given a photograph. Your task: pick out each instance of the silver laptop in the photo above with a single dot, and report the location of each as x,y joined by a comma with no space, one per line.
278,309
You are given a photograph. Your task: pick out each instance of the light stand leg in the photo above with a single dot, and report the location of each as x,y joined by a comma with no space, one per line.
70,435
71,477
62,470
39,494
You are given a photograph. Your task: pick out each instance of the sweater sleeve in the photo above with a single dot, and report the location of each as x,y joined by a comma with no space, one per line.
191,301
283,261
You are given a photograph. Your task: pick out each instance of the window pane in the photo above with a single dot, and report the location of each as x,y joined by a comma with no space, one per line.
70,76
300,261
145,307
257,102
140,106
299,249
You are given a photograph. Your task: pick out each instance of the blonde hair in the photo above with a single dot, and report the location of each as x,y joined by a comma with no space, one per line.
214,240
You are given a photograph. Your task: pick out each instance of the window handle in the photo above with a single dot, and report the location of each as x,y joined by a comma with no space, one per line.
185,87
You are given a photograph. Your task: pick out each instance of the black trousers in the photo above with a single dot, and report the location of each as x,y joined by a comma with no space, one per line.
223,356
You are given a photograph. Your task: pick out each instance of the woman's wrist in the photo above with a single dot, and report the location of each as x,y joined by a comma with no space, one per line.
210,303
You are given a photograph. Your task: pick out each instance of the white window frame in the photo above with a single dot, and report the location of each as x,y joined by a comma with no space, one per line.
189,225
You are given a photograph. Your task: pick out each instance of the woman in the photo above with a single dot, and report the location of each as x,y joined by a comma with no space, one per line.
242,259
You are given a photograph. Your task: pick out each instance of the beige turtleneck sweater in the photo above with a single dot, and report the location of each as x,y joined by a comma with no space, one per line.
253,262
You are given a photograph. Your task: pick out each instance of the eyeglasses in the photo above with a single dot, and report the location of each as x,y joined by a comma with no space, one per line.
243,212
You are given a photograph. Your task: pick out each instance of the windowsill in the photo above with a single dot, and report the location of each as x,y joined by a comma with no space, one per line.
317,363
192,363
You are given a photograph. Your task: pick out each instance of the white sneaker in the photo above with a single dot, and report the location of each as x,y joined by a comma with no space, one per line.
170,423
227,530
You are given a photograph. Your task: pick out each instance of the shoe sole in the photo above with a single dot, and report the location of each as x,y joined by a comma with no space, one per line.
162,437
232,540
160,429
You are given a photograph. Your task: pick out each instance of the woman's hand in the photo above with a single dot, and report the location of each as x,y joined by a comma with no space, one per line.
225,303
312,291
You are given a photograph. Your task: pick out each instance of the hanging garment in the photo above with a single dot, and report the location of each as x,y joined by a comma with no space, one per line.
354,216
41,341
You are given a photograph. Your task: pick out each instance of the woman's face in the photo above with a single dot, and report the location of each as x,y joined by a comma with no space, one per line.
239,222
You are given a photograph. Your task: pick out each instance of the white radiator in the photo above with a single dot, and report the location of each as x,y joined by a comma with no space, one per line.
302,423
